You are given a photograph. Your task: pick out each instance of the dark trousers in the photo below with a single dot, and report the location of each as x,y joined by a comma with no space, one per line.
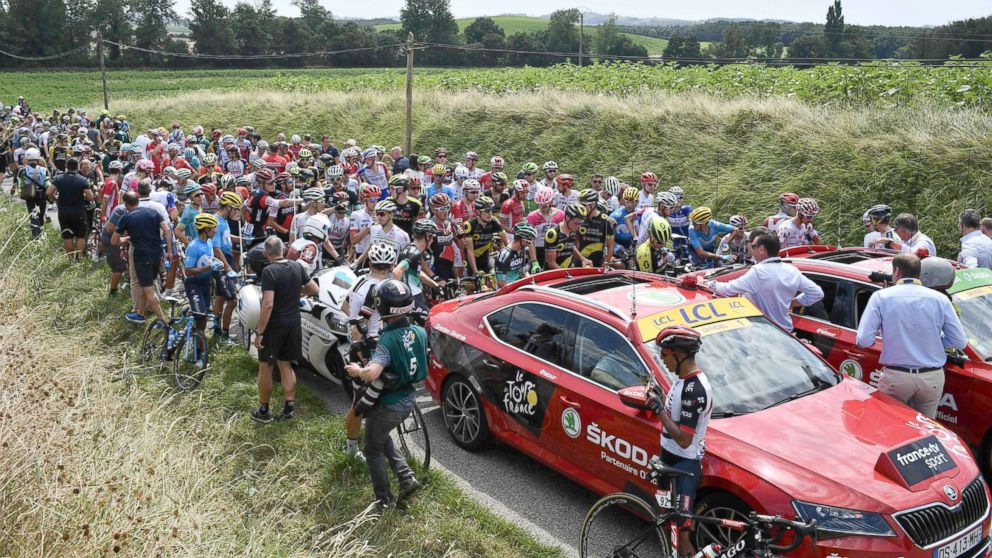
379,448
36,210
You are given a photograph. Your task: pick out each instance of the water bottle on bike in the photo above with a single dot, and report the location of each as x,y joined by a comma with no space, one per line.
711,551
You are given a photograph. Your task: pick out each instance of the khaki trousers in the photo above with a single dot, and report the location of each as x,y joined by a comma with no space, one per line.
920,391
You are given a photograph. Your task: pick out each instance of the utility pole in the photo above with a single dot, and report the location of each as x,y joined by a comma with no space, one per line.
408,146
103,71
581,22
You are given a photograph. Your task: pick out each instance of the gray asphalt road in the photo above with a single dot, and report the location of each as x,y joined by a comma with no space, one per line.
549,506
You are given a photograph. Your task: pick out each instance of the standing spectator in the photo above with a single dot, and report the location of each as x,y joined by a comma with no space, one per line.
976,248
145,227
772,285
400,163
279,336
917,324
74,193
987,226
401,355
910,239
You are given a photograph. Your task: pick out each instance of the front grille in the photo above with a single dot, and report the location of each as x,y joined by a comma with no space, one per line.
932,524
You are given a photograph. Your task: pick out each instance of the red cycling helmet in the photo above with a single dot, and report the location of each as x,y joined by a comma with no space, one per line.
209,189
282,177
440,200
264,175
245,194
565,180
649,177
242,132
680,338
371,192
788,198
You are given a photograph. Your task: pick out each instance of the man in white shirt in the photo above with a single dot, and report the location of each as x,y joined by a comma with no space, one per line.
976,248
772,285
909,239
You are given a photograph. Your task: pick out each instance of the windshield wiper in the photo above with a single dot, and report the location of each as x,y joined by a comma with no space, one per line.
727,414
816,388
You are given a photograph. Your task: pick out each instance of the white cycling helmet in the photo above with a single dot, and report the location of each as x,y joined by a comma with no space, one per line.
32,154
381,253
249,306
316,228
612,185
334,171
461,173
313,194
184,174
550,165
296,138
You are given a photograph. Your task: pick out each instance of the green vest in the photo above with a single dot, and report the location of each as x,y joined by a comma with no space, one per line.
407,348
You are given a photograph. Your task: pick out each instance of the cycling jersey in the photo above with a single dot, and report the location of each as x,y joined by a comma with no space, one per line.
409,260
772,222
283,216
689,404
511,264
645,200
275,162
259,204
736,248
357,297
222,237
361,220
871,237
592,237
543,222
406,213
186,220
612,203
622,234
512,212
444,245
706,240
790,234
352,197
199,253
59,155
234,167
558,241
462,212
482,235
445,189
377,174
652,260
679,221
395,237
561,200
337,233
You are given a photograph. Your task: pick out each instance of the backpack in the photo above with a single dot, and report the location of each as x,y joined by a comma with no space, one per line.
31,187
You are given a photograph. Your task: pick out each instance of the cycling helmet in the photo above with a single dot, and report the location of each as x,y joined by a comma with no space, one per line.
440,152
484,203
401,181
738,222
296,139
305,153
678,191
631,194
574,210
313,195
471,156
588,196
227,181
326,158
334,171
184,174
414,178
32,154
340,199
543,195
666,199
227,139
204,221
189,153
242,181
263,145
521,185
306,175
807,207
426,226
242,191
529,168
550,166
496,162
386,205
461,173
701,215
315,228
680,339
936,273
660,230
370,192
191,188
878,212
210,159
439,170
145,165
231,199
500,178
612,185
116,165
648,176
787,200
264,176
197,130
283,177
564,180
370,153
173,147
471,184
381,253
393,298
440,201
524,231
424,160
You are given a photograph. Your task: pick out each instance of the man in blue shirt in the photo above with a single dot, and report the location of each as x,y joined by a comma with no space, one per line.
917,324
200,268
144,227
704,237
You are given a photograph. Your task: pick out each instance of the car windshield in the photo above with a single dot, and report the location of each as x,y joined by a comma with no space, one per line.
752,365
975,311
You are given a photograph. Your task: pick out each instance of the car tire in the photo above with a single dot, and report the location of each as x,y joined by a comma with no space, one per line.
464,417
721,505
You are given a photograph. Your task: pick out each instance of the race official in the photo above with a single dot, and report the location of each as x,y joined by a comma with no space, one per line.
909,238
774,286
976,248
917,324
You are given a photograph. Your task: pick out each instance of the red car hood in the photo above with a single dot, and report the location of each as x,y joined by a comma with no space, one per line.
824,448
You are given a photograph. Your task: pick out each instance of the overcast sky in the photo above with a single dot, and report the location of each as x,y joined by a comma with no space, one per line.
866,12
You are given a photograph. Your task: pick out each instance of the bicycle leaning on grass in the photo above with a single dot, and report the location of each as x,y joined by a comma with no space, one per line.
178,340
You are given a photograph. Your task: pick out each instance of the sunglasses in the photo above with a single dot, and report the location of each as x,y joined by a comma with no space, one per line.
381,213
199,195
528,174
597,181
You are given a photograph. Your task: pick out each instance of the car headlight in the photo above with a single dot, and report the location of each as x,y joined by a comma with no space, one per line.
339,324
841,521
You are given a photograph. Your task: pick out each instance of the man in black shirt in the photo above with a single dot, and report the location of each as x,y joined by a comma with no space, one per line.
74,194
279,337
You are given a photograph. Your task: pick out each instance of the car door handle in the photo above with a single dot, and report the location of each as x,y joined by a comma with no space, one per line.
569,402
490,364
855,354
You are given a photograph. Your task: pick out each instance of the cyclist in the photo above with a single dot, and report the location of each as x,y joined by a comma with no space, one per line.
438,185
339,225
703,237
543,218
653,255
446,249
464,209
498,191
736,244
314,200
385,230
876,218
685,416
335,183
413,265
373,171
799,231
496,164
550,169
309,248
186,227
649,181
679,219
261,204
559,242
471,158
786,210
359,233
595,238
529,173
564,193
610,193
200,268
513,210
481,233
666,203
623,234
225,294
110,192
518,259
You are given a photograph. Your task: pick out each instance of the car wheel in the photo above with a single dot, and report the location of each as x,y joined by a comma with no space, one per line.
720,505
463,414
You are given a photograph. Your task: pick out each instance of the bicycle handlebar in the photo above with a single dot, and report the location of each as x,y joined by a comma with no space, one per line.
801,530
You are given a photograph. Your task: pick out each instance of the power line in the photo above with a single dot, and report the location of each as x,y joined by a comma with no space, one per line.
249,56
42,58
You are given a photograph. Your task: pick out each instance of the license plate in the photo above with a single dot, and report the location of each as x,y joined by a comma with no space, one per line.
960,546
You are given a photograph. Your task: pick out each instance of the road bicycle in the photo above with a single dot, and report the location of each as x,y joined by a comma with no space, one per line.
178,340
607,531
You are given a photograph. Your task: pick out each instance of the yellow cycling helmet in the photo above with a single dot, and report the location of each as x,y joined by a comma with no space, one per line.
660,230
204,221
701,215
305,153
631,194
231,199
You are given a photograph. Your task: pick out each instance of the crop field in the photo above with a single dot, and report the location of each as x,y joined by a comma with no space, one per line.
881,85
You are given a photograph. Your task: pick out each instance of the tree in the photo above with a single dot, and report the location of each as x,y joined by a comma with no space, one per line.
563,33
528,42
211,27
808,46
111,19
253,27
833,31
150,19
484,33
36,27
681,46
430,21
610,41
476,31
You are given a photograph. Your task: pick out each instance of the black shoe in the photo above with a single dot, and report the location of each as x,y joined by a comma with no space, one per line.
258,415
380,506
408,487
287,413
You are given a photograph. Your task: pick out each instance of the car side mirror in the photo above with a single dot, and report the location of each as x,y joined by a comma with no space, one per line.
635,396
809,345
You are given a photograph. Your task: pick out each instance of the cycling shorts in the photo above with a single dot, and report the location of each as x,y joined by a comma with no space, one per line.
198,294
685,486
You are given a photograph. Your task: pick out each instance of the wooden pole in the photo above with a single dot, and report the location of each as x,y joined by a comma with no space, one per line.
581,22
408,144
103,72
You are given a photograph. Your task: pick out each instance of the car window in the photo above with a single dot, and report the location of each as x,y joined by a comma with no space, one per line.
836,306
499,322
605,357
538,329
861,299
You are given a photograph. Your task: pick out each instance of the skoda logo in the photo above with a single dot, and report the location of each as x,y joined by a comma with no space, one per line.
951,493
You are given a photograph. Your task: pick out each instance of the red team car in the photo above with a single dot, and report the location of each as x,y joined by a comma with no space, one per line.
540,365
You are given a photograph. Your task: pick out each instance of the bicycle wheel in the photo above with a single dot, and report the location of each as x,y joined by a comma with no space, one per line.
92,250
189,360
414,441
622,525
152,343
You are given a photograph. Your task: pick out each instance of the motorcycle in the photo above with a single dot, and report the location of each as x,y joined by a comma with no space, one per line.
326,336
